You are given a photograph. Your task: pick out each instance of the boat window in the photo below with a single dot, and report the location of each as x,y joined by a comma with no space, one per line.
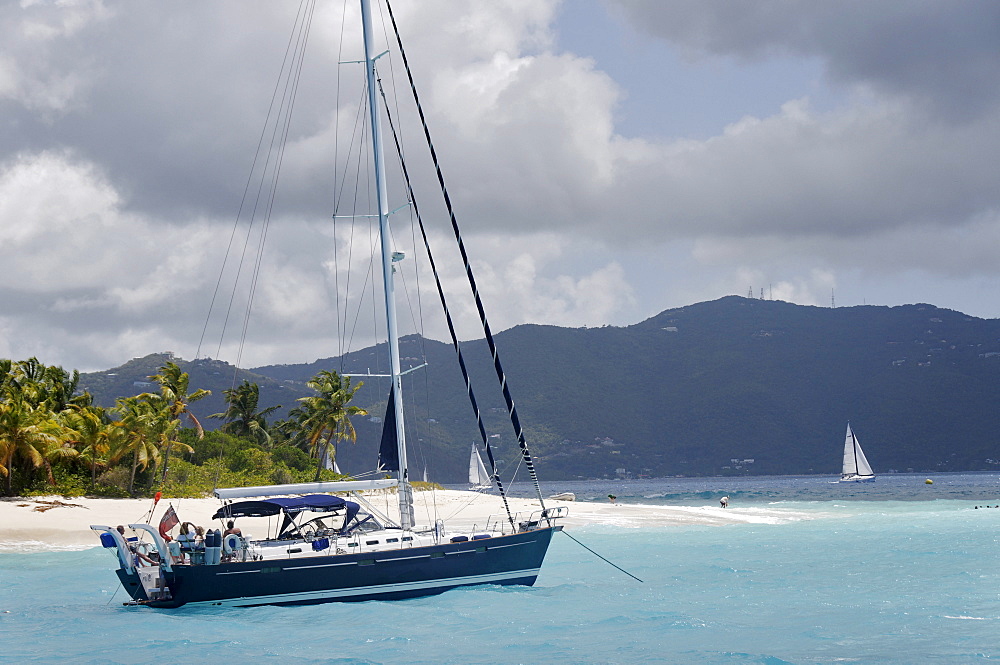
407,539
392,540
371,542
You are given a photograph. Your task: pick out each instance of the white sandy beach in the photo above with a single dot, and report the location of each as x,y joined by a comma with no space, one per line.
53,522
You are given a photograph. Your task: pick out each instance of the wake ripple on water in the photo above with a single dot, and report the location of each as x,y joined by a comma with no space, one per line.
34,546
639,516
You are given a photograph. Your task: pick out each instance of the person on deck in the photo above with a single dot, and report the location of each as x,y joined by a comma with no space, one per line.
232,528
132,548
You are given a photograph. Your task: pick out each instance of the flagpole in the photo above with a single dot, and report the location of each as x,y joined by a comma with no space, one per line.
156,500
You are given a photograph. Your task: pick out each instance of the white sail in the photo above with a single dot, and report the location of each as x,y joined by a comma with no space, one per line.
855,463
478,477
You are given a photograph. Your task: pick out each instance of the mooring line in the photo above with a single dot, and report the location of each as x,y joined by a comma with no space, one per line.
601,557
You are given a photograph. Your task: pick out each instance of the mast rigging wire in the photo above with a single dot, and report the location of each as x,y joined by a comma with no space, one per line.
511,409
451,324
291,87
253,167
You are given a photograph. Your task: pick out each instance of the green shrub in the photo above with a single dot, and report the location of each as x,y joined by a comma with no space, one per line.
67,484
294,458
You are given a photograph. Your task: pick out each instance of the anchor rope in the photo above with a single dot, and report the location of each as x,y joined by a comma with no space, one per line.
601,557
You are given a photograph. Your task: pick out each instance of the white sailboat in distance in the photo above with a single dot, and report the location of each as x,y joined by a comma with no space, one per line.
856,466
479,478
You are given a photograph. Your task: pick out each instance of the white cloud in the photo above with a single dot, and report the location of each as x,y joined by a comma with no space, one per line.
46,197
41,76
535,278
43,20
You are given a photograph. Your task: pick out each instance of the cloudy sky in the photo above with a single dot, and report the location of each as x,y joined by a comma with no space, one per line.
608,159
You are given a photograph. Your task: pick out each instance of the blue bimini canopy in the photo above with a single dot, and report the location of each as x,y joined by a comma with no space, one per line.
324,503
291,507
317,503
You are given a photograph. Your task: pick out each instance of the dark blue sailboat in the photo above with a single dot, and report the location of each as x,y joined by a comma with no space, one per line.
343,554
327,548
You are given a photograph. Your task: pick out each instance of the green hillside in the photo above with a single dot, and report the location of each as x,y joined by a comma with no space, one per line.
685,392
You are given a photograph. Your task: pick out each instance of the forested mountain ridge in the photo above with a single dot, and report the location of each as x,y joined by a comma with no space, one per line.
685,392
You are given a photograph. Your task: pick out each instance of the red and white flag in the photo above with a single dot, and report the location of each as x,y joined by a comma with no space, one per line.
168,521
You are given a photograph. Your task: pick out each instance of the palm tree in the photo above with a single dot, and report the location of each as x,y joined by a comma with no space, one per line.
31,369
32,397
241,415
6,375
174,391
325,417
28,433
162,431
137,423
58,389
89,429
175,399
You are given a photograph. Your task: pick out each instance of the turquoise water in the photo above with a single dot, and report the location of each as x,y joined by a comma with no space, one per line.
860,579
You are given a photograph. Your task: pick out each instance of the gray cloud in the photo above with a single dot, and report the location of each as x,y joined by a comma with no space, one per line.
128,131
940,54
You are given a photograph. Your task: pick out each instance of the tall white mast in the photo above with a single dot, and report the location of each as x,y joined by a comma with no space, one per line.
405,492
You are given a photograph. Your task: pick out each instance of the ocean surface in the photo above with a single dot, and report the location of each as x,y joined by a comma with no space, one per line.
892,572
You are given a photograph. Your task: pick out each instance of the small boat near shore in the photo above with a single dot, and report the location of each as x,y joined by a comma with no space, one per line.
563,496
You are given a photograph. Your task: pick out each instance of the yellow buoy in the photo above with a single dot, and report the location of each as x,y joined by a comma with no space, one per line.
929,481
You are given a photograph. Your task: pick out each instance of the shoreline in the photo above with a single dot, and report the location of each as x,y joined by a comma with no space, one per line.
44,523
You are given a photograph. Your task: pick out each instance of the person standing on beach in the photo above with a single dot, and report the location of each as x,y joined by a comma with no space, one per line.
724,501
612,498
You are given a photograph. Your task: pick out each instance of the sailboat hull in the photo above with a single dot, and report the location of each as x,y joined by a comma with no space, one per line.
382,575
858,479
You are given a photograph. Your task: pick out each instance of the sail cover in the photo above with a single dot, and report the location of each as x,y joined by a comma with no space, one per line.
304,488
388,451
855,462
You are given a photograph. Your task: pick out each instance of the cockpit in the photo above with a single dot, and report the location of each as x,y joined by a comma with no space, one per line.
299,519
